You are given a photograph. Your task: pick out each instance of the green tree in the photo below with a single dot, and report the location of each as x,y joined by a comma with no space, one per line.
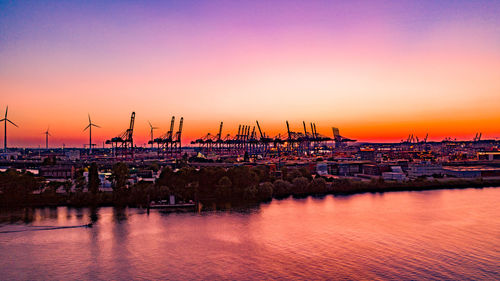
242,177
184,182
282,188
265,191
79,180
140,193
163,192
262,172
317,185
165,176
284,172
17,188
223,189
305,173
250,193
67,186
300,185
119,176
208,179
94,180
292,174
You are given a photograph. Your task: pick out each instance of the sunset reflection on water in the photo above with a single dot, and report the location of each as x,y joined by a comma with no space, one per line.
442,234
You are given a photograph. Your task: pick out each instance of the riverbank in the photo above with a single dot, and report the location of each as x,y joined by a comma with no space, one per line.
419,185
298,188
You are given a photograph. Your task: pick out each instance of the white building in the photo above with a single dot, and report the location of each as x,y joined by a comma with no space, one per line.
396,174
392,176
416,170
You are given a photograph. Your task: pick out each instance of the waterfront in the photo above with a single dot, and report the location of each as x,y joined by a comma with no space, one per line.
439,234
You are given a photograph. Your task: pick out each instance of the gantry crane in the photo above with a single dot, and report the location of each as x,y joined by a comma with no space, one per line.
123,144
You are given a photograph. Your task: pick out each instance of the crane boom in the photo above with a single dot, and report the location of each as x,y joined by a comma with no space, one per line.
181,124
132,121
220,131
172,123
180,130
260,131
288,130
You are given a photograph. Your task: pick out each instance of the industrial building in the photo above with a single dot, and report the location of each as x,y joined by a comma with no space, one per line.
471,171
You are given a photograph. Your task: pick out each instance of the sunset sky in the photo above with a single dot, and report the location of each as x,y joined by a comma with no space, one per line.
378,70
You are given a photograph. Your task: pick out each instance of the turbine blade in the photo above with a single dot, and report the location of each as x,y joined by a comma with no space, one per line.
6,109
87,127
11,122
90,122
95,125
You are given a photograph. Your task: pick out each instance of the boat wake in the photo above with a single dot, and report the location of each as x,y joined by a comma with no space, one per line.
40,228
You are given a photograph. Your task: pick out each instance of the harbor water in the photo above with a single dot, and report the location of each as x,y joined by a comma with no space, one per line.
439,234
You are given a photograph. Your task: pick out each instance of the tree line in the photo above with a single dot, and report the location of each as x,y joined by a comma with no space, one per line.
236,185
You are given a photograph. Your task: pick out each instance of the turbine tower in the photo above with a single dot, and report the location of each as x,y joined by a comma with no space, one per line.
89,126
47,134
152,129
5,119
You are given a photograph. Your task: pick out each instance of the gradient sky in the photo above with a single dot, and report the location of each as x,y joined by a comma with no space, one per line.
378,70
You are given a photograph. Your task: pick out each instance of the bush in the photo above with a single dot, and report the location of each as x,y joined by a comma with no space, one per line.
305,173
300,185
292,174
223,189
250,193
119,176
265,191
317,185
94,181
282,188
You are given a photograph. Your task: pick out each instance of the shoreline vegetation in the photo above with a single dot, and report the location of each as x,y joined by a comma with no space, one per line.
214,186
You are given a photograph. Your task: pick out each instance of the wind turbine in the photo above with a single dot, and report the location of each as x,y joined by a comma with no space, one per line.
5,119
89,126
47,134
152,129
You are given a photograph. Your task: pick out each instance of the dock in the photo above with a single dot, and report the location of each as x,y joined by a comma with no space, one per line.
172,206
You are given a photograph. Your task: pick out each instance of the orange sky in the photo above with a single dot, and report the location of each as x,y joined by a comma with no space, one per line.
377,77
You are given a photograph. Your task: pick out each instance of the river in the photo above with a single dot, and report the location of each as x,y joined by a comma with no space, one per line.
439,234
